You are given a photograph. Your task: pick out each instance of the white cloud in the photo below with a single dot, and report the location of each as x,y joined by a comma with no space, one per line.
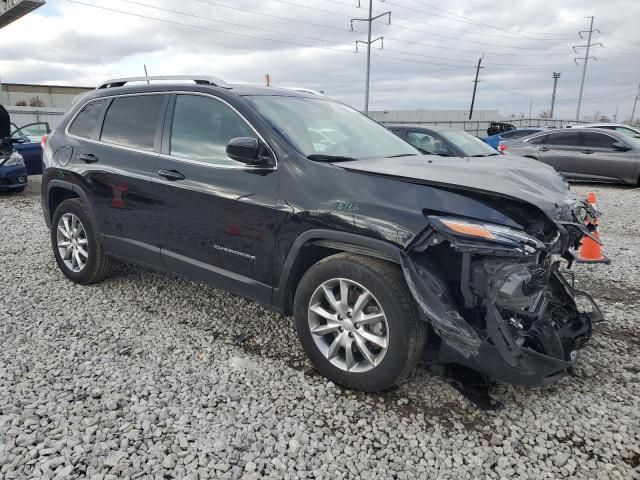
75,44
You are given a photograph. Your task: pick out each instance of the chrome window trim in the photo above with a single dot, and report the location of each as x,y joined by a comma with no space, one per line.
172,157
597,133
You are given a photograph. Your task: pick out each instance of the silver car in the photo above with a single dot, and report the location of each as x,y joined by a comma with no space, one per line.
586,154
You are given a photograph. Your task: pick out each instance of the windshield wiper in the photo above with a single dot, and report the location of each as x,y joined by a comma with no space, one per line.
402,155
329,158
483,155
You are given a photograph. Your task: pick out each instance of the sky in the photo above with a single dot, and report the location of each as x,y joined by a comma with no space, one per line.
428,58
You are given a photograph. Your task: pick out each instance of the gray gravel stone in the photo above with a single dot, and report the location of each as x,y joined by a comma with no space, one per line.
150,376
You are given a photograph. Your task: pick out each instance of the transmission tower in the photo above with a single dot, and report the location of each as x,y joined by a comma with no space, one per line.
585,59
370,19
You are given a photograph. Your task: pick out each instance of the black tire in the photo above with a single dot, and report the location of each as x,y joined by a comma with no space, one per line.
406,330
98,265
18,190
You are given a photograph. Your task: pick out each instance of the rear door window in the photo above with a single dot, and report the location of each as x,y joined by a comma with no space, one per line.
599,140
132,121
86,121
564,139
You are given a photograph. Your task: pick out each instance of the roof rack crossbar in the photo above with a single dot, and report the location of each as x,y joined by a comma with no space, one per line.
200,80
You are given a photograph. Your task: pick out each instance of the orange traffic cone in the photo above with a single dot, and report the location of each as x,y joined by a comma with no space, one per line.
591,250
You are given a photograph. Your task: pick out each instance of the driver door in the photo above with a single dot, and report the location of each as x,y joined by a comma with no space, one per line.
216,216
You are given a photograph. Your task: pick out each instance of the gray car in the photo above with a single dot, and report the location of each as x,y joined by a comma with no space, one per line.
586,154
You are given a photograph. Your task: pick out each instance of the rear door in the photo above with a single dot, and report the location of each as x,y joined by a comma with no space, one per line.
216,216
117,164
562,150
602,161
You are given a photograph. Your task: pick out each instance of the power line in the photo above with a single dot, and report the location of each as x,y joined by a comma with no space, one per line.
199,27
467,20
269,15
333,27
421,22
498,87
522,66
306,37
286,42
202,17
458,39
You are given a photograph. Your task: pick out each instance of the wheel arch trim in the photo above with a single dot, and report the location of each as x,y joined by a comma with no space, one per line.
341,241
64,185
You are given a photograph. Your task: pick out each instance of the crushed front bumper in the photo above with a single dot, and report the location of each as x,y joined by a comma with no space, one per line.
514,320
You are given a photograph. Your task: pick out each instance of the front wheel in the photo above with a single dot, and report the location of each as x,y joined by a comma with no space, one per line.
358,322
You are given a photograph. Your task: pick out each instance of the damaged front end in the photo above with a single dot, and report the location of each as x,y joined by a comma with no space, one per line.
497,298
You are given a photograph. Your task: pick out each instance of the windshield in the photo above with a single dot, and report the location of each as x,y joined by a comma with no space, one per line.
629,132
467,143
633,142
316,126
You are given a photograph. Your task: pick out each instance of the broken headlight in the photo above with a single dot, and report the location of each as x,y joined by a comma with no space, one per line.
486,232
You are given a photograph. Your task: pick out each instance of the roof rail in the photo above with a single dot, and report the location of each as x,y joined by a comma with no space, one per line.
200,80
306,90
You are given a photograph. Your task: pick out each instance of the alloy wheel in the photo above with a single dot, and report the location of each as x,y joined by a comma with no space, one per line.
72,242
348,325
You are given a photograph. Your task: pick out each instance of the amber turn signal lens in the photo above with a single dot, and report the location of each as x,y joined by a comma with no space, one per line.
469,229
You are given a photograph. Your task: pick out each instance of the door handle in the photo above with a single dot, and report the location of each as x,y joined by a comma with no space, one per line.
172,175
587,151
88,158
543,149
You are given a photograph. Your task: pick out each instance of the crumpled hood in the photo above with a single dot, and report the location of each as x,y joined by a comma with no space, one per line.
509,176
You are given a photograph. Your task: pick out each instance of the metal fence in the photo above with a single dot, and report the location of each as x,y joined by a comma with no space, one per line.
479,127
24,115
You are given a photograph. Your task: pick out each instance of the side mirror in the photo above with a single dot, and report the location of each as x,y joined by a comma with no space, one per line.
246,150
621,147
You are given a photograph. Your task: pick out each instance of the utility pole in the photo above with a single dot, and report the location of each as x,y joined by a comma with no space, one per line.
556,76
368,43
475,86
615,115
585,59
635,102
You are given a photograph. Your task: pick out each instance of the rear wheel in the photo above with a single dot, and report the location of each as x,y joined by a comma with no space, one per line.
76,244
358,322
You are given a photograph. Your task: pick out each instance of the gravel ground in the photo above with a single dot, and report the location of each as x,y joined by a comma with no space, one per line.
151,376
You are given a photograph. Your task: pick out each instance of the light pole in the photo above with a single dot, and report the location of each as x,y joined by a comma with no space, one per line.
556,76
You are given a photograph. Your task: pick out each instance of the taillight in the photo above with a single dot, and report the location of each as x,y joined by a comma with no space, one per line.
43,142
502,148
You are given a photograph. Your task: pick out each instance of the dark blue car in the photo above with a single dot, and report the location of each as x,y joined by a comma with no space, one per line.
494,140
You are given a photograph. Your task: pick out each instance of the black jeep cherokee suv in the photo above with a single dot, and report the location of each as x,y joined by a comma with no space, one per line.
311,208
